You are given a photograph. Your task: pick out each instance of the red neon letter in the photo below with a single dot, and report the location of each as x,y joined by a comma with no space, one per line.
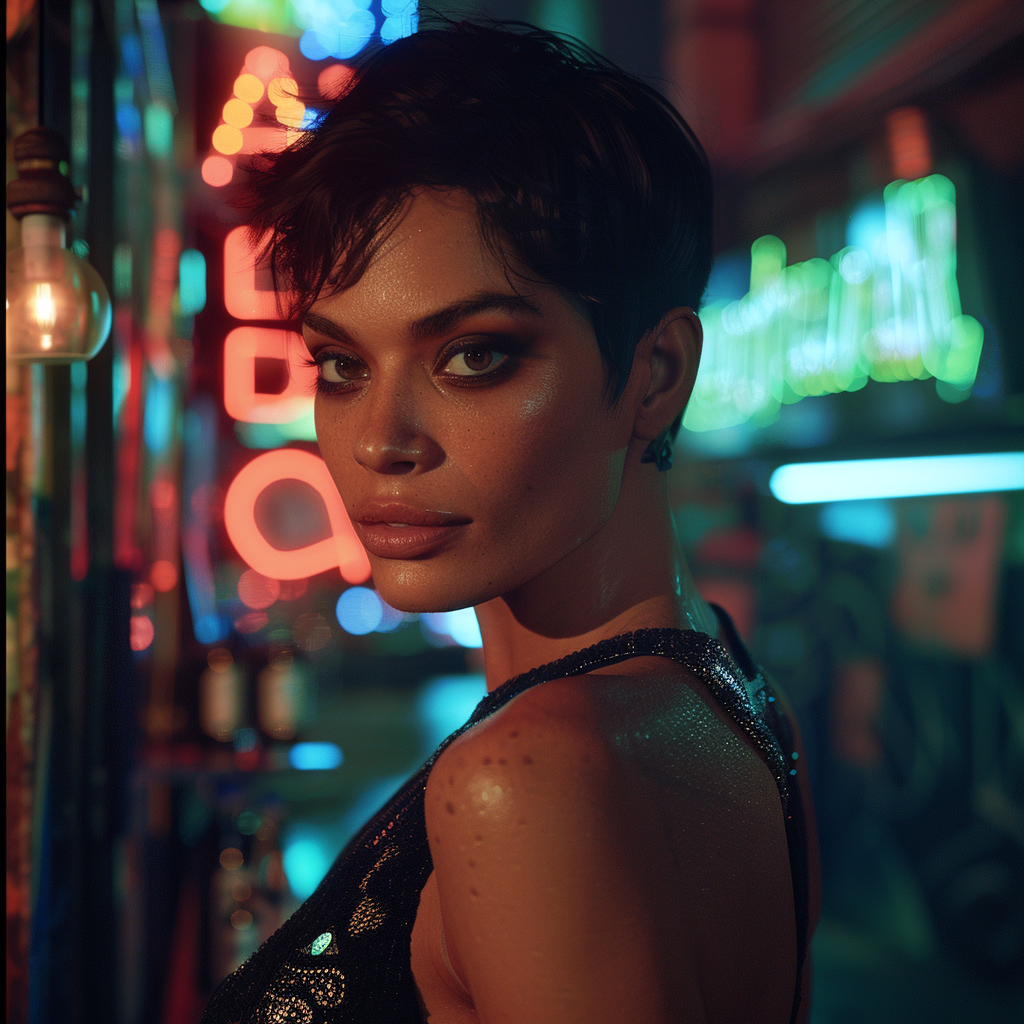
247,297
241,349
342,549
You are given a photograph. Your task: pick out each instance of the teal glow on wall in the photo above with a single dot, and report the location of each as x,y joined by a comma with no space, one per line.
884,307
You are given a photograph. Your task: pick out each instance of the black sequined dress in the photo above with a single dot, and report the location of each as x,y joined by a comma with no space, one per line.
344,955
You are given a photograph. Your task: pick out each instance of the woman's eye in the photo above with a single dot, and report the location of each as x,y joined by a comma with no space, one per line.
474,362
336,369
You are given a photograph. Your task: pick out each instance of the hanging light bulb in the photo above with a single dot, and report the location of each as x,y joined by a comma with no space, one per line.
58,309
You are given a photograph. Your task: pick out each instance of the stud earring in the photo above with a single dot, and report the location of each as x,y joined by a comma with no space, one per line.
659,451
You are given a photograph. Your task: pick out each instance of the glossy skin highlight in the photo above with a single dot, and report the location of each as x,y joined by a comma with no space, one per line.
463,412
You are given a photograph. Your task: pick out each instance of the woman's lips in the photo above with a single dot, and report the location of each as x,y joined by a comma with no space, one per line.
404,540
393,530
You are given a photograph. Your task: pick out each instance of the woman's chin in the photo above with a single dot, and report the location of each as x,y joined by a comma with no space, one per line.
417,599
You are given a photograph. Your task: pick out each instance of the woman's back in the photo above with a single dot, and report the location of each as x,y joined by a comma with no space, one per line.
690,858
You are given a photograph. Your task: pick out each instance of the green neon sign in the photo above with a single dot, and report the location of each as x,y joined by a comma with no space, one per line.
887,311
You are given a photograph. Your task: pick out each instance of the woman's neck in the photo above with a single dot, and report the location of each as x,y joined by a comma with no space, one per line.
630,575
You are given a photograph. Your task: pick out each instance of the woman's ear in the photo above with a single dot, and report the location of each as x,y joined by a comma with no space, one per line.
672,351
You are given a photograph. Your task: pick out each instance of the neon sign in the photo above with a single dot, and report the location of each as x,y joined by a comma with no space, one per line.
341,549
886,307
249,295
242,347
244,299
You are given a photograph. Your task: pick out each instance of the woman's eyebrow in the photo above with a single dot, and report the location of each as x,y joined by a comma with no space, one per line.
446,319
321,325
441,321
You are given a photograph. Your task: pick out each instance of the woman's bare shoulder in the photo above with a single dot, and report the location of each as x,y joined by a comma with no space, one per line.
543,746
535,866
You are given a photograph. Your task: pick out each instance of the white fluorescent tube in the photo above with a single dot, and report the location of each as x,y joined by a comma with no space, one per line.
800,483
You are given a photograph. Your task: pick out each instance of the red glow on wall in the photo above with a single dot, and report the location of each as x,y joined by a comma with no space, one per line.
245,297
342,549
242,347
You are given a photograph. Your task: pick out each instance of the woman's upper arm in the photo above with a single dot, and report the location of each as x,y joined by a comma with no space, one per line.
544,913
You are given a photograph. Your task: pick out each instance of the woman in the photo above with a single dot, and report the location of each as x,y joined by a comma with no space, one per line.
497,243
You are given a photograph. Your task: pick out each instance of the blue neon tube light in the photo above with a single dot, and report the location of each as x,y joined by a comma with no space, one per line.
315,756
801,483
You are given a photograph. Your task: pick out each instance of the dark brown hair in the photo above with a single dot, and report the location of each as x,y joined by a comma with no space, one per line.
580,172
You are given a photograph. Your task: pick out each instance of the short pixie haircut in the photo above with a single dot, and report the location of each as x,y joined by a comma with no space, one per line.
580,172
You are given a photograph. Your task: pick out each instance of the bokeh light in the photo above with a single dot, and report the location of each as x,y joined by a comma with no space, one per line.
191,282
249,88
258,591
334,80
266,63
291,113
315,756
219,659
310,47
227,139
401,18
306,858
870,523
282,90
359,611
251,622
158,129
164,575
237,113
456,627
141,632
231,859
248,823
446,702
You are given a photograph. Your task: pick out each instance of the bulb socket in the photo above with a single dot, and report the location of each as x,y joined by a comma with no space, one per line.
40,187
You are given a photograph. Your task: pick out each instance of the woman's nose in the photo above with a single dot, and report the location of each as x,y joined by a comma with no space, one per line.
393,439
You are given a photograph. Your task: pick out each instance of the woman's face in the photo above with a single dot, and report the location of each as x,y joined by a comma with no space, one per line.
461,412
